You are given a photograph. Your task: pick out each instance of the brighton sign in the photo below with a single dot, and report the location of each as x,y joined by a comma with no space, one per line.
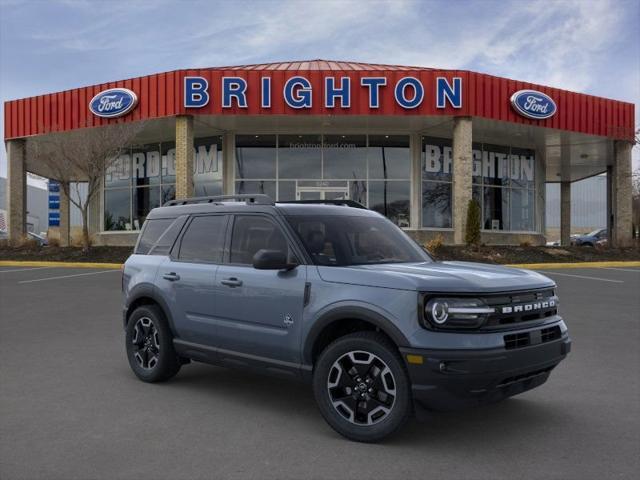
113,103
533,104
408,92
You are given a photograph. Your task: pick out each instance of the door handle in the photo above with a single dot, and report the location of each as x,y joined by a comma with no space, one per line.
171,276
231,282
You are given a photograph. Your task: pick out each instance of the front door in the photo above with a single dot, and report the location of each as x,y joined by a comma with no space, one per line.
258,312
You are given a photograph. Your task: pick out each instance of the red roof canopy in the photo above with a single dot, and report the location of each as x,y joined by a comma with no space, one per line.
161,95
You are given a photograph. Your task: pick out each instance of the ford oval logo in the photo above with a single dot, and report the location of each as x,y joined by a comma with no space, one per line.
533,104
114,102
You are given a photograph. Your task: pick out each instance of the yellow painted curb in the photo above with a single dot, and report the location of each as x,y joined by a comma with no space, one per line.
28,263
542,266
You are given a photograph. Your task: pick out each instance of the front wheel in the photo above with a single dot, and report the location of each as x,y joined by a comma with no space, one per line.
362,387
150,345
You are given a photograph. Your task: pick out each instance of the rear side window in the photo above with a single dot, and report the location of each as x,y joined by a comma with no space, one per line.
204,239
168,238
152,231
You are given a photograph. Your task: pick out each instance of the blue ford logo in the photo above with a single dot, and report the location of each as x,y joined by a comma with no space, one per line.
533,104
114,102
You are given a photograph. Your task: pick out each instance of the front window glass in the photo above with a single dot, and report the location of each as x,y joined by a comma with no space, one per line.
117,205
252,233
345,156
300,156
207,167
255,156
354,240
144,200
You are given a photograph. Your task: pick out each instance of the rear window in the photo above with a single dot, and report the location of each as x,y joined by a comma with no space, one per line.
159,235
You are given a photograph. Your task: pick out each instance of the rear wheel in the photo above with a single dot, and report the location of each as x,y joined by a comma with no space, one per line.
362,387
150,345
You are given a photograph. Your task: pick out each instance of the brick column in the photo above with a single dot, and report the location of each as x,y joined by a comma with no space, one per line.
565,213
16,191
621,184
65,217
184,156
462,175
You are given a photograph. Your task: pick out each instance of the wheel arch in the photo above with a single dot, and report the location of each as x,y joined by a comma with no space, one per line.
145,296
343,320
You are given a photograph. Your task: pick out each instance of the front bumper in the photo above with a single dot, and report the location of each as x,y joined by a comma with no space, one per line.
452,379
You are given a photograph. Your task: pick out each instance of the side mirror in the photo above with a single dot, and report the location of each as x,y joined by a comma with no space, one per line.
271,260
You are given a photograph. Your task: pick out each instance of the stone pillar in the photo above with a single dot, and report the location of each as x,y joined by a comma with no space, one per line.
621,184
65,216
184,156
16,191
565,213
462,175
416,180
228,163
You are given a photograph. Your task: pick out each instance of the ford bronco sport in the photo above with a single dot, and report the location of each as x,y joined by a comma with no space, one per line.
336,295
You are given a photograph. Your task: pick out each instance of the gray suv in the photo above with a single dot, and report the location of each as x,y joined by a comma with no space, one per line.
336,295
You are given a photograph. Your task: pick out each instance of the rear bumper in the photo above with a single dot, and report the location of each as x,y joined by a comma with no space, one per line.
453,379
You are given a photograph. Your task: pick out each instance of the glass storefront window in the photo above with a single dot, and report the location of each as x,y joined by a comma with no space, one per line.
255,156
299,156
117,209
495,165
207,167
496,208
389,157
168,162
522,167
344,156
436,204
144,200
266,187
522,209
391,199
146,165
118,174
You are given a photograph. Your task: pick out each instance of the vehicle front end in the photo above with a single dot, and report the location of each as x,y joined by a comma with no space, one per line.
476,348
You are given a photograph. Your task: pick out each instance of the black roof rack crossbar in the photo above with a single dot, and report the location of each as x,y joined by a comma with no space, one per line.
345,203
257,199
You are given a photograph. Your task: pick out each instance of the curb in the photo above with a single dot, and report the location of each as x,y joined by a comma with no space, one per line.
28,263
543,266
116,266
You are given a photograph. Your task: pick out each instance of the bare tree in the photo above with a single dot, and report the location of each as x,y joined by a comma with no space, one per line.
82,156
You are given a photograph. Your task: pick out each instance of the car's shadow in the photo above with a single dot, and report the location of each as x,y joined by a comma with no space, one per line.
490,426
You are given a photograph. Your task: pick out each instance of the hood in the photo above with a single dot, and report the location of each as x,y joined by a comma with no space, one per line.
461,277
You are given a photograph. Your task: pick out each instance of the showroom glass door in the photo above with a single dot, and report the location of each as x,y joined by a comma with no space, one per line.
322,192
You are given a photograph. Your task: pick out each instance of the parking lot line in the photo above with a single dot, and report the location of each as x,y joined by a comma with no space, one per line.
637,270
66,276
24,269
546,272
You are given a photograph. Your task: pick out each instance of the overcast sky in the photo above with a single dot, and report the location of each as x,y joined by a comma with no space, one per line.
582,45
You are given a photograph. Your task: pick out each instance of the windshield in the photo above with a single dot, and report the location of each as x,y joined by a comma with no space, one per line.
594,233
344,240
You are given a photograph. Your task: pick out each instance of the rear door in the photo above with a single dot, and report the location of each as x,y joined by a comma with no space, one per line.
186,278
259,312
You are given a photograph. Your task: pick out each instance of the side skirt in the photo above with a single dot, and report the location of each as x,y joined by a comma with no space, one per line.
232,359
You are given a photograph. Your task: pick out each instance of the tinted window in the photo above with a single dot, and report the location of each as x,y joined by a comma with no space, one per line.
204,239
168,238
343,240
153,229
252,233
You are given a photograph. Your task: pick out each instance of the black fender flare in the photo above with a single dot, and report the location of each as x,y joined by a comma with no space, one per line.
148,291
355,313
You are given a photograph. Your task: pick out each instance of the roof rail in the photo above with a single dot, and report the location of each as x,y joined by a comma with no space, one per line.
257,199
345,203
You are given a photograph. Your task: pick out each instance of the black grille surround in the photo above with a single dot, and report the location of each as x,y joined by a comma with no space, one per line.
528,308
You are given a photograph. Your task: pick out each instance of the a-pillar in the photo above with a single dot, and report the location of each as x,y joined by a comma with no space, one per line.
462,175
565,213
16,191
622,189
65,215
184,157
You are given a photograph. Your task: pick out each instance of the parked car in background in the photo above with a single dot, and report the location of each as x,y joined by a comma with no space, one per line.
590,239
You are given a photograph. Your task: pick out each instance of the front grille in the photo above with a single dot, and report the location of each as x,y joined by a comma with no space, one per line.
524,339
515,308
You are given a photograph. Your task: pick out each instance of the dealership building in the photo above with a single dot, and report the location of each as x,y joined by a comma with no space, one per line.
415,144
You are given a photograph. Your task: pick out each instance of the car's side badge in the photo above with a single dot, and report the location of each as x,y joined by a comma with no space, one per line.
288,319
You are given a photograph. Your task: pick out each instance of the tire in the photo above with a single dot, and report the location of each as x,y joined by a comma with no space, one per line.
341,393
149,344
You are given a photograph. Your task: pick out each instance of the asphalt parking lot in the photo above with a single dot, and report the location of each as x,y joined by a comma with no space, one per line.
71,408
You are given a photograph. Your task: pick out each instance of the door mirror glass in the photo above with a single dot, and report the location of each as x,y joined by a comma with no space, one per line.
271,260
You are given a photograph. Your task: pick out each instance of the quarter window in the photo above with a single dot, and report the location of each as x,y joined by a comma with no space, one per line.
204,239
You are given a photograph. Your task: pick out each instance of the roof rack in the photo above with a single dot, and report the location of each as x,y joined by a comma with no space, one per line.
257,199
345,203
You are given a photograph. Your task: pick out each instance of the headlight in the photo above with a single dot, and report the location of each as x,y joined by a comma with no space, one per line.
456,312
